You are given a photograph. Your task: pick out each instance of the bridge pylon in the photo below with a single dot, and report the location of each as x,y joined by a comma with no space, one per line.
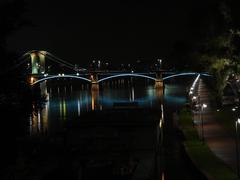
159,83
94,82
159,80
38,62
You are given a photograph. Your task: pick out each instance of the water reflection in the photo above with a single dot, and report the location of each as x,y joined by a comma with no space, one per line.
95,99
38,121
67,103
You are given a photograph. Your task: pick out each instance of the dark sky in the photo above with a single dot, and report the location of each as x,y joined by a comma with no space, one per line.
116,31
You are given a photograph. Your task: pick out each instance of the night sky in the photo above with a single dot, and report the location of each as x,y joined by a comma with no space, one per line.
116,31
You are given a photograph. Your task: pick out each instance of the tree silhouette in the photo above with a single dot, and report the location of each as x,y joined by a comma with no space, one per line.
11,20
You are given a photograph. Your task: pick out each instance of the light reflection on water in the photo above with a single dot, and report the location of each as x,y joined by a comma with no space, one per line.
66,103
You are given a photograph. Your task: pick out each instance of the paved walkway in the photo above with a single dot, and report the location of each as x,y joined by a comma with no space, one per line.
219,141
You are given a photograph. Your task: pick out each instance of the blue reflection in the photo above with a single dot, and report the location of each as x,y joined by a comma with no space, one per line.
175,99
68,104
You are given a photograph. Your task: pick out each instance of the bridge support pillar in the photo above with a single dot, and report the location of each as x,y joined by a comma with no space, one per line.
159,88
95,86
159,83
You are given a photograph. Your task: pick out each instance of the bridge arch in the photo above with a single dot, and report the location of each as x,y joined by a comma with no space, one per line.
126,75
57,76
181,74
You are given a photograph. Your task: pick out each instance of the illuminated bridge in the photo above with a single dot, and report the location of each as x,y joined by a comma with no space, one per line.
39,71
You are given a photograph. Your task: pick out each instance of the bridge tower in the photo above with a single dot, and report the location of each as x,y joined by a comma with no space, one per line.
38,68
38,62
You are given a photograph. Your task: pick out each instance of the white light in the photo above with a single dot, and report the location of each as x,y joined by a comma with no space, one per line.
233,109
161,123
62,74
59,74
190,92
42,72
194,98
77,74
132,71
191,88
218,110
45,75
238,120
204,105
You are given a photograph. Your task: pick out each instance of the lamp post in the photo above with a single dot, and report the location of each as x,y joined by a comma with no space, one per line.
237,147
160,63
194,101
202,107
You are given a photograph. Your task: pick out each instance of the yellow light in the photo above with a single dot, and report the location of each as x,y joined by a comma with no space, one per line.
64,109
161,123
163,177
93,103
32,80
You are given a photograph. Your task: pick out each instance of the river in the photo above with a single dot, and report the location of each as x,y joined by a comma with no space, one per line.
110,151
68,102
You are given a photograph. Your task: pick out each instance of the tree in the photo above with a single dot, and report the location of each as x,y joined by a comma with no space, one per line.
11,20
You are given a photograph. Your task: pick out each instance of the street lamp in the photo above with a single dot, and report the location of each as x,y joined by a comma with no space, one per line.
202,107
193,102
237,147
160,63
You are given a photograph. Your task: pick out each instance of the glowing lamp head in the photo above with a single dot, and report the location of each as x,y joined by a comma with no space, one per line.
204,105
238,121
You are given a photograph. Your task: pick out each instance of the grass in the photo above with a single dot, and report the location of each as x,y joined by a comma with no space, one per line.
200,153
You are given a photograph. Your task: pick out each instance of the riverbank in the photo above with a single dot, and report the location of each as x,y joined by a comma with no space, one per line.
207,143
199,152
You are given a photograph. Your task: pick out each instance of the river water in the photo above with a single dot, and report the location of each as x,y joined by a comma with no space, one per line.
69,102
